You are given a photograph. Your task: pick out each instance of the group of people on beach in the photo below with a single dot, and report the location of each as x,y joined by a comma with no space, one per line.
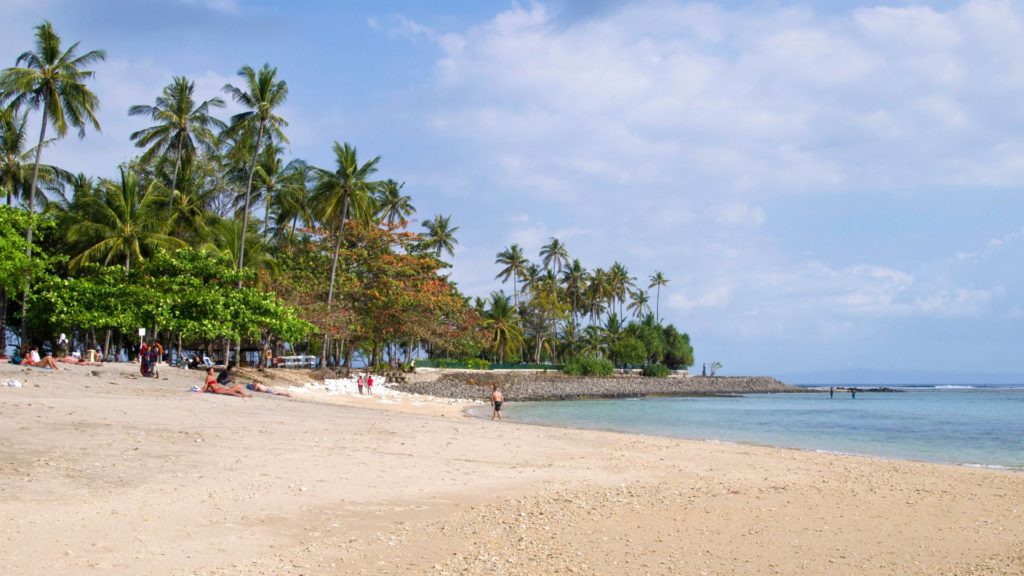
222,384
29,355
365,381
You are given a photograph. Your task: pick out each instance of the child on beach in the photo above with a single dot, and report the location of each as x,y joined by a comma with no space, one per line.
496,398
369,385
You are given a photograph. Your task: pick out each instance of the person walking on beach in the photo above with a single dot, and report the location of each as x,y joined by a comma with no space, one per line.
369,385
359,383
496,398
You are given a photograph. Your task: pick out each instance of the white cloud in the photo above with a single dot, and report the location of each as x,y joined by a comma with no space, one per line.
713,297
224,6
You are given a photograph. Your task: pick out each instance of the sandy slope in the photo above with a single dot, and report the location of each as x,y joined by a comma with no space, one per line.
104,473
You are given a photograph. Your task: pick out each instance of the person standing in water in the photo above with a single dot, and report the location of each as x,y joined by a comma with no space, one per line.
831,391
496,398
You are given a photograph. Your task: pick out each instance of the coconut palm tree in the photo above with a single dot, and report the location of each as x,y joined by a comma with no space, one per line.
574,278
262,94
500,320
640,303
515,263
392,204
122,222
271,176
52,79
620,283
554,255
657,281
16,161
440,235
182,126
293,201
345,193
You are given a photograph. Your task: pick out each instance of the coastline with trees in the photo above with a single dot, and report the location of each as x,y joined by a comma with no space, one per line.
213,240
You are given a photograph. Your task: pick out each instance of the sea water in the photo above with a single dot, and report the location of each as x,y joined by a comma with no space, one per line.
979,426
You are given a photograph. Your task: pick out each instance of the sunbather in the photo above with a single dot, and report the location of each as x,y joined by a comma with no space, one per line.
213,387
257,387
33,359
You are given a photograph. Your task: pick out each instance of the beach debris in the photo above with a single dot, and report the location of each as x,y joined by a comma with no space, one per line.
12,384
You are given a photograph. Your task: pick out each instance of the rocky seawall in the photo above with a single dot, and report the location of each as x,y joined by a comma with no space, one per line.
533,386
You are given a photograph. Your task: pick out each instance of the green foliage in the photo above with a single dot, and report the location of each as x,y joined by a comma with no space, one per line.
188,292
628,350
589,366
656,371
16,268
478,364
678,352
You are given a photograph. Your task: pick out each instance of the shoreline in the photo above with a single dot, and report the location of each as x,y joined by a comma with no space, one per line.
468,412
328,485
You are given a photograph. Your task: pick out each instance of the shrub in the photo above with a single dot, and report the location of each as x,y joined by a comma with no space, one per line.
478,364
656,370
588,366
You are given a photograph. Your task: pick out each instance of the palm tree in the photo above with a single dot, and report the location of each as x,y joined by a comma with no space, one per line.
270,178
190,218
54,80
440,236
620,283
122,222
500,320
640,303
182,126
262,95
657,281
335,193
515,263
16,161
393,205
574,277
293,200
531,277
554,255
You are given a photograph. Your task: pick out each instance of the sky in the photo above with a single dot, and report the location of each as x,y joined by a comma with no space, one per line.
826,185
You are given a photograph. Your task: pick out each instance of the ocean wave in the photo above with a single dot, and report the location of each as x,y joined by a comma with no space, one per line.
953,387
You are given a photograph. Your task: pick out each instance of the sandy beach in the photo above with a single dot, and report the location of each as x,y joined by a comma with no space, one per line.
103,472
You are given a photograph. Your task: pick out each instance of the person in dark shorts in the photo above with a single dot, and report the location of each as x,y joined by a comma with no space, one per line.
496,398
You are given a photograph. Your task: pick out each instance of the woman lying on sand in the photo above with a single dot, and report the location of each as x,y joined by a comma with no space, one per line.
78,361
212,387
257,387
33,359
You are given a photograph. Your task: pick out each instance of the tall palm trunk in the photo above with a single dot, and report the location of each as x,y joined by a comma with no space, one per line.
174,179
245,207
31,209
3,322
657,305
334,268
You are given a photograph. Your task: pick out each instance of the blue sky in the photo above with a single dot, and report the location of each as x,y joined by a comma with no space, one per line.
826,187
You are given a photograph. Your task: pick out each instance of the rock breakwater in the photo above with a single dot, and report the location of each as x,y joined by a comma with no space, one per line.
534,386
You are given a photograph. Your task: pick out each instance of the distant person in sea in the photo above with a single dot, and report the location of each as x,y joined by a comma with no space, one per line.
497,398
831,391
853,393
212,387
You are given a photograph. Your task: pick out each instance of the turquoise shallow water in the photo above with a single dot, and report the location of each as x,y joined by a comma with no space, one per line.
971,426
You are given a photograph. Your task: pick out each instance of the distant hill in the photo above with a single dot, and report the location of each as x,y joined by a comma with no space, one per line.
878,377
